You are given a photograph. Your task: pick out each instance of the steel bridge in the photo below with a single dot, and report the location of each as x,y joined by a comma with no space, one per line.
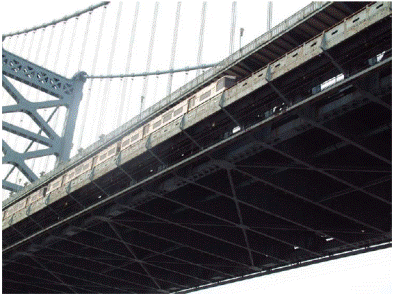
289,167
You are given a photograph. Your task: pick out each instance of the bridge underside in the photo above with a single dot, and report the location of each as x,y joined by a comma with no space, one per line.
210,205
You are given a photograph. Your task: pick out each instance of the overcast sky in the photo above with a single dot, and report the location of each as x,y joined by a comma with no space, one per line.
361,274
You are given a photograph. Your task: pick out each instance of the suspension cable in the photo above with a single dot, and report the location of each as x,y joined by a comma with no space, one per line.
54,22
93,69
173,52
71,46
109,69
13,50
269,15
201,36
81,58
14,114
39,92
143,74
149,56
128,64
232,28
36,59
29,88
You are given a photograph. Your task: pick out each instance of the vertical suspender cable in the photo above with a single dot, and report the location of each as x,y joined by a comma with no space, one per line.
70,49
13,115
127,70
93,70
39,92
13,50
233,28
45,165
81,57
28,57
22,122
55,64
59,46
67,66
110,63
156,86
6,42
149,56
201,36
269,15
173,53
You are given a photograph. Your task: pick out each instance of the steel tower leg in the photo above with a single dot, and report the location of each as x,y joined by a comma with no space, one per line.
67,93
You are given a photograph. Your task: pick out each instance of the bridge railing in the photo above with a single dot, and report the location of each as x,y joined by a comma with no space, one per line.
174,97
232,59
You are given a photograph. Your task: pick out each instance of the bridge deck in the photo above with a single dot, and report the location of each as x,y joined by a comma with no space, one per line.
289,188
286,36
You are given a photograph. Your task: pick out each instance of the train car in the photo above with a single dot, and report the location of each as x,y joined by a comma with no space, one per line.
177,111
165,118
56,184
212,90
36,196
14,208
107,154
78,170
131,139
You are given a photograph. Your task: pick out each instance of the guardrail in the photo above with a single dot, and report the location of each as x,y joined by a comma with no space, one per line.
174,97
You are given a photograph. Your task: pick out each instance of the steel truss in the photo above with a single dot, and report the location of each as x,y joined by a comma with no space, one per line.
68,94
258,201
118,253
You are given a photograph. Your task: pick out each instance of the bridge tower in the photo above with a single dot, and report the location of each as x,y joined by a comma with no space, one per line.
66,93
62,95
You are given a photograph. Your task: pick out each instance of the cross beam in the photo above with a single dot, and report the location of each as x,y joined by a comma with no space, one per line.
68,94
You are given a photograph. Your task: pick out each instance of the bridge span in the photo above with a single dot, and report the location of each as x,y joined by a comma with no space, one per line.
290,166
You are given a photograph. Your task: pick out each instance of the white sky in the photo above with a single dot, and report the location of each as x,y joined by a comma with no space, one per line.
101,97
361,274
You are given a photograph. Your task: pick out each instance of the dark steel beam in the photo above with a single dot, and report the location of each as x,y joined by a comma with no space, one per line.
239,213
310,201
136,259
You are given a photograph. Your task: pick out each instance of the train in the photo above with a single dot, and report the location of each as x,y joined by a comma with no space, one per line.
276,68
129,140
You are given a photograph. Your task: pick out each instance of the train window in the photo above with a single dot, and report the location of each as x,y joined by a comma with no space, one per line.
146,129
112,152
125,142
21,205
220,84
205,95
178,111
135,137
191,102
78,169
166,117
157,124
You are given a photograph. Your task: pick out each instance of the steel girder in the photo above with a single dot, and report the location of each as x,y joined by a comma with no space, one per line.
68,93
